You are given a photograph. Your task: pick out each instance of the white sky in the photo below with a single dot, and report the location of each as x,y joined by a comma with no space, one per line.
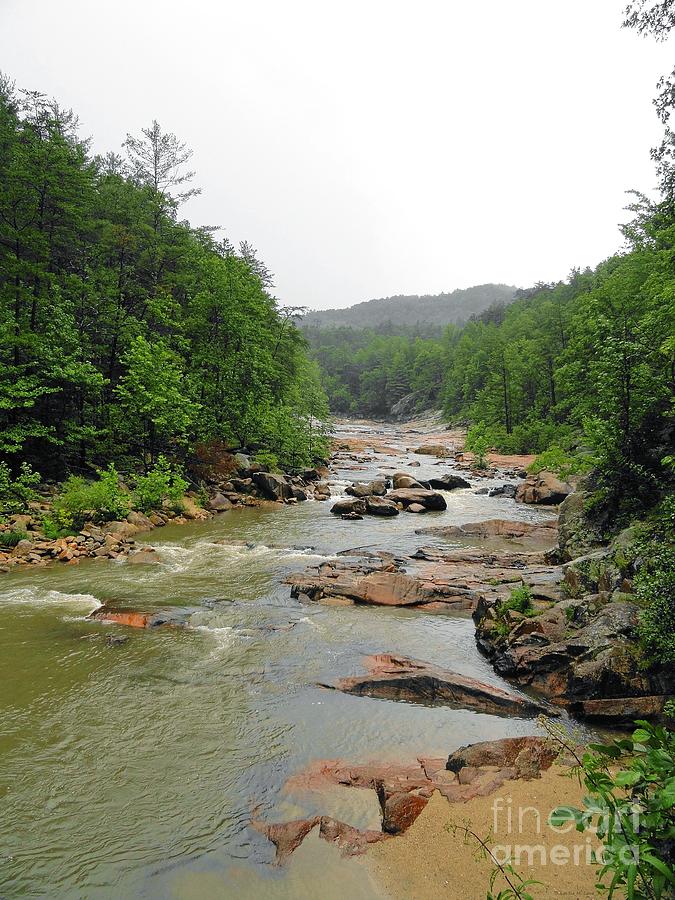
376,147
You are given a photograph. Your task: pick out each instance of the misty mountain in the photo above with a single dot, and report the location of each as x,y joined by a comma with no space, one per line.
409,311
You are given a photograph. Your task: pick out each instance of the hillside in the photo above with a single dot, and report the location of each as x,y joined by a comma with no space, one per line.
413,310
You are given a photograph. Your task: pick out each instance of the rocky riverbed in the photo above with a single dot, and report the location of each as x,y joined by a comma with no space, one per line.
275,663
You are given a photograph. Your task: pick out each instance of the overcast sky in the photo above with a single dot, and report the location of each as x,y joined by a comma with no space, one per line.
375,147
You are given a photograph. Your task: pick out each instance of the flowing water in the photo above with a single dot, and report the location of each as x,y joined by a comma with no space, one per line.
133,770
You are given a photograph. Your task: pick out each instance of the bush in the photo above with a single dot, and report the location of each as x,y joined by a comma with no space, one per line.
102,500
161,484
519,601
9,539
654,585
559,461
631,807
53,531
478,441
16,493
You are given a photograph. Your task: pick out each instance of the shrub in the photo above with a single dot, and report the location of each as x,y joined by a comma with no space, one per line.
16,493
631,807
161,484
559,461
654,585
9,539
52,530
101,501
519,601
478,441
266,458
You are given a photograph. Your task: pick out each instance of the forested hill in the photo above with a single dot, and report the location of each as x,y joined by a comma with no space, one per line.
423,313
124,332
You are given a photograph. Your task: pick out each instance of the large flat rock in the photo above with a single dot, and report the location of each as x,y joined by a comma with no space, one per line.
392,677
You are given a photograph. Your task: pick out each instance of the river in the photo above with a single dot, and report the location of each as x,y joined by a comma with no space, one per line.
133,770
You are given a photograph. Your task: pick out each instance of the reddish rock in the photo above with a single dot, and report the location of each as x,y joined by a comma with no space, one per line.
400,811
286,836
135,619
542,488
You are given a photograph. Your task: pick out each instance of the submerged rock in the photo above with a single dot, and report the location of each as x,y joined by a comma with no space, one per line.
136,619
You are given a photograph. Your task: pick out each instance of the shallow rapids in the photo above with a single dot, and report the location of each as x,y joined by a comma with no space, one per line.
133,769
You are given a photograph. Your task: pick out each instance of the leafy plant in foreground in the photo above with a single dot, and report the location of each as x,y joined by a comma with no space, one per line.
631,808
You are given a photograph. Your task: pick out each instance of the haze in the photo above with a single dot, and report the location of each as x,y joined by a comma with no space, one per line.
370,149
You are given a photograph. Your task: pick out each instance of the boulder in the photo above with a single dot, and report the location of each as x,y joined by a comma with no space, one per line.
144,556
504,752
322,491
416,508
400,811
504,490
448,482
219,503
342,507
577,535
433,450
403,480
272,486
380,506
392,677
242,462
428,499
376,488
542,488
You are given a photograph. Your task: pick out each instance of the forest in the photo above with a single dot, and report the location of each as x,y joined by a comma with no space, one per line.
126,333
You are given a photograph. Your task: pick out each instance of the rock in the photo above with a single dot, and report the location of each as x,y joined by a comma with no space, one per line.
505,528
505,490
343,507
416,508
576,534
621,710
140,520
376,582
116,640
542,488
351,517
379,506
286,836
241,485
21,522
403,480
448,482
414,463
219,503
322,491
392,677
401,810
274,487
428,499
145,556
242,462
433,450
135,619
503,753
376,488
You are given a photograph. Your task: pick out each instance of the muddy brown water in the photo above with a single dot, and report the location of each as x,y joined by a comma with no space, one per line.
133,770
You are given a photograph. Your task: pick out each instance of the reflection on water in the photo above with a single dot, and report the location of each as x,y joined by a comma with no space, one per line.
133,770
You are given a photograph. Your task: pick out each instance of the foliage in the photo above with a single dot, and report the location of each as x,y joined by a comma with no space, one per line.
11,538
560,462
161,484
631,808
125,333
16,493
478,442
52,530
520,600
266,459
654,585
101,500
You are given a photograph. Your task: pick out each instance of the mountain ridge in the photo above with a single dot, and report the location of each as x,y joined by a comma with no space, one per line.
411,310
